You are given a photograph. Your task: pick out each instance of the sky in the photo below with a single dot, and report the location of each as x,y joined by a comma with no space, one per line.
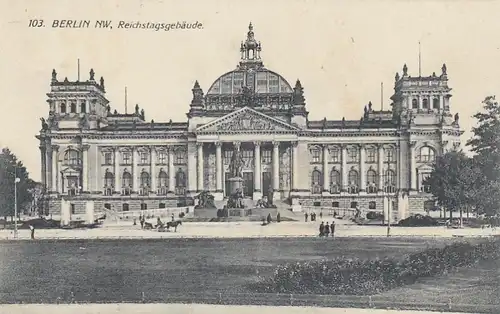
340,50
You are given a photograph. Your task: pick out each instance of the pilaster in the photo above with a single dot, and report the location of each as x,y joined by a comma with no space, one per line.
380,166
171,170
199,147
276,170
53,185
326,170
116,164
257,194
85,169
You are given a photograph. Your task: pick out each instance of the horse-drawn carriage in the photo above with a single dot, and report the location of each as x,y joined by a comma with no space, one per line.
162,227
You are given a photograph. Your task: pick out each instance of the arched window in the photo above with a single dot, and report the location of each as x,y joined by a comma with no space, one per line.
390,181
180,182
316,182
435,103
414,104
371,181
83,106
426,154
109,183
145,185
126,183
72,157
162,183
425,103
63,107
316,155
335,182
73,107
353,180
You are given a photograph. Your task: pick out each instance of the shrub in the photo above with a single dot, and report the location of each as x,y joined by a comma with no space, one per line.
352,276
418,221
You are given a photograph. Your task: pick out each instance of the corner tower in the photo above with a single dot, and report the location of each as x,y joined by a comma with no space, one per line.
421,100
76,105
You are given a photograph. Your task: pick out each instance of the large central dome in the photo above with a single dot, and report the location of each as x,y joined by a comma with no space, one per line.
260,80
250,84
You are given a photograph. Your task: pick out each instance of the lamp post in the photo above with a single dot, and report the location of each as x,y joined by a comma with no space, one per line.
16,181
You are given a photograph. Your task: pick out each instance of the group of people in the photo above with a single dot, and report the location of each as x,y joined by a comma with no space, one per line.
325,229
313,216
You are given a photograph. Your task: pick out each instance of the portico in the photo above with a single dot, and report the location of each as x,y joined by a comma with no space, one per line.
266,144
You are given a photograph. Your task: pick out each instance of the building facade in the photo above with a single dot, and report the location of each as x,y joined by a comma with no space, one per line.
122,162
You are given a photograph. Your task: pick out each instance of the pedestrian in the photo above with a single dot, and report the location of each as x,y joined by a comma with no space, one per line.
278,217
269,219
305,215
313,216
173,217
327,229
321,229
332,228
32,229
321,215
141,220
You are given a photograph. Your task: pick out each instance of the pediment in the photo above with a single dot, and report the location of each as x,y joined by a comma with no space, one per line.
246,120
69,171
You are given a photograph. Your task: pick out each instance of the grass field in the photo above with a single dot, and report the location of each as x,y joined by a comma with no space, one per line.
121,270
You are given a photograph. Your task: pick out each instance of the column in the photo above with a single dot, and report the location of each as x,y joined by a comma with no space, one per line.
152,171
326,172
398,166
171,170
43,166
257,171
85,168
345,179
199,146
362,169
420,102
380,167
116,163
295,166
219,170
54,185
409,102
441,102
135,170
413,167
60,181
276,166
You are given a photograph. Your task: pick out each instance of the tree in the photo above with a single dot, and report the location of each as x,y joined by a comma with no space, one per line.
10,168
454,181
486,144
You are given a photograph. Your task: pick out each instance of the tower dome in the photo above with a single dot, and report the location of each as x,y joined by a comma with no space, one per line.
250,84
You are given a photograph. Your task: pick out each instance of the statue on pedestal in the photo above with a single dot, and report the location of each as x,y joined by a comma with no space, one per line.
236,165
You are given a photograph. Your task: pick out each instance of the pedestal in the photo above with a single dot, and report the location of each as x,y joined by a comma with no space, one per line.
235,184
296,207
65,213
89,210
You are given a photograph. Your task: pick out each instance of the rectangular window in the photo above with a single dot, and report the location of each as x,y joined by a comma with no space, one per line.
354,204
372,205
162,205
227,84
335,155
127,158
180,157
108,158
247,156
73,209
266,156
352,155
335,204
316,156
228,154
389,155
162,158
371,155
237,82
261,82
144,206
125,207
273,83
144,158
317,204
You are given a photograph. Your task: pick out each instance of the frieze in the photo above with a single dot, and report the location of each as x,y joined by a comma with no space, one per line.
247,122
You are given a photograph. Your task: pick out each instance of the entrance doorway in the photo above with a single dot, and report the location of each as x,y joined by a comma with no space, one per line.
266,183
248,184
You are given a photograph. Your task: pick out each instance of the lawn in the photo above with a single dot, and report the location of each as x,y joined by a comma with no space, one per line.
122,270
